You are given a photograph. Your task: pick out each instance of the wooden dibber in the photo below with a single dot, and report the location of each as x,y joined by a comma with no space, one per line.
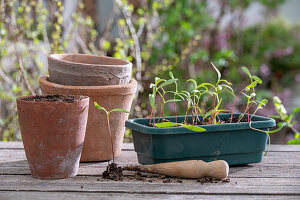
191,169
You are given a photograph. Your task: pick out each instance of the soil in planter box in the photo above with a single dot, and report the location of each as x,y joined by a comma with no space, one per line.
54,98
223,121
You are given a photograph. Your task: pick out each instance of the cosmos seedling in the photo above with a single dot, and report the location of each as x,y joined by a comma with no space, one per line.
108,124
198,93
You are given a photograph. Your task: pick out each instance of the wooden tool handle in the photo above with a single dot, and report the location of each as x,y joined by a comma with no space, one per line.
190,169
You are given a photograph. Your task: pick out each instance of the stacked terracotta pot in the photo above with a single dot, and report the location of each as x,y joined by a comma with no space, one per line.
104,80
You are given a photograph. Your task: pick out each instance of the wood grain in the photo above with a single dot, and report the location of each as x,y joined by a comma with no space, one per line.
8,195
276,177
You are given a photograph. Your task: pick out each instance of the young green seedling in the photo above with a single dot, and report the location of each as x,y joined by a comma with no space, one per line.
251,97
162,94
176,93
108,124
157,88
152,97
213,90
189,104
217,88
195,104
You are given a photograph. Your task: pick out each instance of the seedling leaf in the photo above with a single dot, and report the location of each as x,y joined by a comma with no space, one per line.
185,93
173,100
166,124
223,80
192,80
119,110
171,75
152,85
256,78
253,84
99,107
230,90
168,82
247,72
218,72
158,80
203,84
152,101
193,128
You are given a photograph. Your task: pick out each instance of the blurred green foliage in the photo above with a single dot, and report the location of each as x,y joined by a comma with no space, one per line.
183,36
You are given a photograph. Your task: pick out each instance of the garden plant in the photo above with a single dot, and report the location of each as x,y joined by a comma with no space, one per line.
112,170
200,91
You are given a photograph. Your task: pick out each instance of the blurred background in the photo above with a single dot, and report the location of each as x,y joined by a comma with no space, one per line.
182,36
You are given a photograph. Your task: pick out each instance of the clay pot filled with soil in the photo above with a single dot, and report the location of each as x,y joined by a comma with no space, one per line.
53,129
97,144
88,70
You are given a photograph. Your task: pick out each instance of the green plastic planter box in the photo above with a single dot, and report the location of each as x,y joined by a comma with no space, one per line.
235,143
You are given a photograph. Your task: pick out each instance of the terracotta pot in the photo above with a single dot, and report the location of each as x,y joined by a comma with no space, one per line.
53,134
88,70
97,145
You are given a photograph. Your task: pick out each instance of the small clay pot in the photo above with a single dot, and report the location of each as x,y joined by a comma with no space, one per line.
88,70
97,144
53,132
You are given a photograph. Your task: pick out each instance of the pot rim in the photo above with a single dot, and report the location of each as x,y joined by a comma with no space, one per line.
54,57
123,89
21,99
138,124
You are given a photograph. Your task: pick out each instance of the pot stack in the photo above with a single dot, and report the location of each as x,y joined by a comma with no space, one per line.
104,80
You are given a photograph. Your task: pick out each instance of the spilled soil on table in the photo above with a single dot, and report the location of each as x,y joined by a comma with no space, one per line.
113,172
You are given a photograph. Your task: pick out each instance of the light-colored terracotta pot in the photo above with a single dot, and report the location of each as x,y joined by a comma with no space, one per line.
88,70
53,134
97,145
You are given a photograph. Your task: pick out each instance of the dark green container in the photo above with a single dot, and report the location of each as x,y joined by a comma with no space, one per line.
235,143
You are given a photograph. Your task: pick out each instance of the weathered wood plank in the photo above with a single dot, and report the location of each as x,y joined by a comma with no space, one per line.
129,146
11,145
284,148
278,174
8,195
128,157
90,184
276,164
254,171
19,145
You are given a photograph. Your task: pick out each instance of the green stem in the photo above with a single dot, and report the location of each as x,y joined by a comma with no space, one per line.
150,116
236,98
269,138
175,110
111,141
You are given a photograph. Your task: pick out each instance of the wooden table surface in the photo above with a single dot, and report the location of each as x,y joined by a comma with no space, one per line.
276,177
